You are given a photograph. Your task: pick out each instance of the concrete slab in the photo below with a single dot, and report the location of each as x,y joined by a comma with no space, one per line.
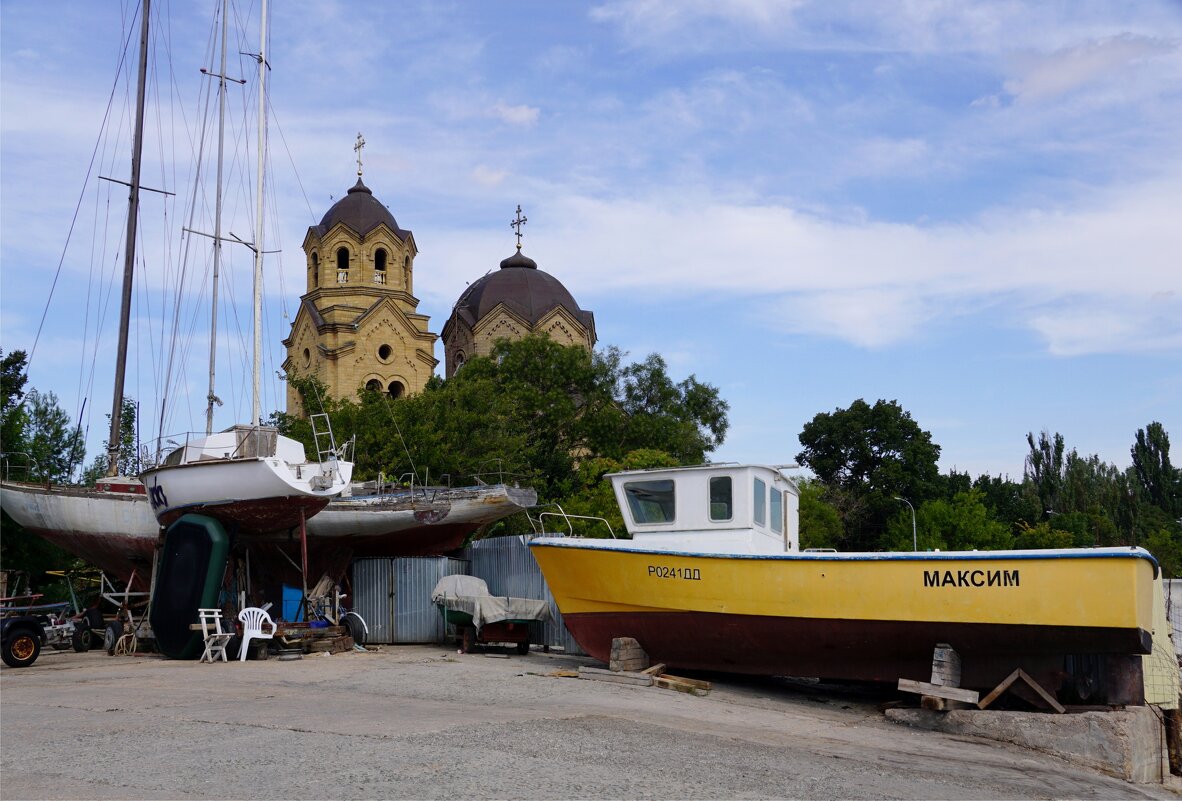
1129,743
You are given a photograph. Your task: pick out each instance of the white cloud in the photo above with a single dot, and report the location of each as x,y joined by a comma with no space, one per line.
1113,262
520,115
1043,76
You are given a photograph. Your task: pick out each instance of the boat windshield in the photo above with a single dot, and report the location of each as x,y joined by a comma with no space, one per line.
650,501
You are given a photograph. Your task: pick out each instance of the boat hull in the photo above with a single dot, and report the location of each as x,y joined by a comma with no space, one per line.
873,617
251,496
114,531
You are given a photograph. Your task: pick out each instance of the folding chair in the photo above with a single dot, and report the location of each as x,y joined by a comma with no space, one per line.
211,632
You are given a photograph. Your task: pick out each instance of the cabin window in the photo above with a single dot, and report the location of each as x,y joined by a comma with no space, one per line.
776,513
720,498
759,502
342,265
379,266
650,501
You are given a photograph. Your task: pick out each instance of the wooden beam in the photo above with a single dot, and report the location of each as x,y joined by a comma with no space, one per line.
939,691
1022,675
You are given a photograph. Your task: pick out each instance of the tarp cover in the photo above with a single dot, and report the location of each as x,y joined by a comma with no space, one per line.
470,594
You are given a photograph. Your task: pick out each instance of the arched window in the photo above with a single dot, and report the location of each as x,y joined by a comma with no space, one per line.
396,389
373,385
342,265
459,359
379,266
315,269
406,273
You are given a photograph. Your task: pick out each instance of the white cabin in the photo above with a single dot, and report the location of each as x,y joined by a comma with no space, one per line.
726,508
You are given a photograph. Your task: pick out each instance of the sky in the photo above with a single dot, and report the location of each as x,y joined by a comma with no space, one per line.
973,209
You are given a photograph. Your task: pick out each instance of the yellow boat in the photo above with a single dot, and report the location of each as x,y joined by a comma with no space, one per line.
713,578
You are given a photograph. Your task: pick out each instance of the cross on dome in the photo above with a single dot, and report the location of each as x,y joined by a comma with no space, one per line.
360,144
517,223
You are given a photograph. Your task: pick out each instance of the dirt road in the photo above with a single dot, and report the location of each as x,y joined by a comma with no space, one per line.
425,722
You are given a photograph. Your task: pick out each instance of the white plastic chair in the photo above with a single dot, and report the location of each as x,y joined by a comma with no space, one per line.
211,632
253,619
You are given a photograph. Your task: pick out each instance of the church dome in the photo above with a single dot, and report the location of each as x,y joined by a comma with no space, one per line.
361,211
519,284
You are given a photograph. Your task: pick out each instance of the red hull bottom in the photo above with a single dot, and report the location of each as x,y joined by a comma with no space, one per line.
253,517
866,650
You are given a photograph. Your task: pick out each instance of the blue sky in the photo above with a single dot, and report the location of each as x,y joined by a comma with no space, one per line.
972,209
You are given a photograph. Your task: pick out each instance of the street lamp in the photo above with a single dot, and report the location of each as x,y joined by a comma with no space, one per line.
914,539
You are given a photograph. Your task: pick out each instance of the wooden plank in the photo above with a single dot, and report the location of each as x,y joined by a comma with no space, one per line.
618,677
939,691
655,670
701,685
671,683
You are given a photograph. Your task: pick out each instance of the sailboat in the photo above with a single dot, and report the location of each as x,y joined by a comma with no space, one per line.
115,500
113,526
249,476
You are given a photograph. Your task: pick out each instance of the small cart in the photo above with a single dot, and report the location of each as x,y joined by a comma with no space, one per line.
481,617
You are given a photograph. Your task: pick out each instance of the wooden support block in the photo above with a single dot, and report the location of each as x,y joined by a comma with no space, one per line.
941,704
616,676
1022,675
627,655
655,670
945,666
938,691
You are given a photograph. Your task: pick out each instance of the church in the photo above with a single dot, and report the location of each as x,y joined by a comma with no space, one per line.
358,326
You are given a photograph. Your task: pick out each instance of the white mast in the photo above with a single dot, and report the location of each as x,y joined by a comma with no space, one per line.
212,399
258,245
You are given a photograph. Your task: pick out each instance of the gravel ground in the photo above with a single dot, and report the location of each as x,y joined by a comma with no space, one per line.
425,722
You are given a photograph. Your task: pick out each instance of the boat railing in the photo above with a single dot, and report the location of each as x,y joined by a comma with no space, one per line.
539,525
25,471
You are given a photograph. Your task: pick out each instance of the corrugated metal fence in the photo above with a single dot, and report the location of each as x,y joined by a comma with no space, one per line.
394,595
509,569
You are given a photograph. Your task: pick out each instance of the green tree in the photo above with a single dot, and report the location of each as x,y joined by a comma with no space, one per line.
532,409
128,462
1044,467
960,524
866,455
820,523
12,391
1157,478
54,445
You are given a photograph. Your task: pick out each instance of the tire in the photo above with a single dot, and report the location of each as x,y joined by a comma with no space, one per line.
468,644
111,636
355,625
21,648
82,637
523,648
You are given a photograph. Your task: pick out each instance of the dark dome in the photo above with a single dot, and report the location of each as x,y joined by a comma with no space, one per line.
361,211
521,286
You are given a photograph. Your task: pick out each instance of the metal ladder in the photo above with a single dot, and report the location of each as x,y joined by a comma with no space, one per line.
320,434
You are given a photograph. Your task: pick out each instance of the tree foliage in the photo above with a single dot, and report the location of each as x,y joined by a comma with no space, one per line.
12,391
866,456
533,410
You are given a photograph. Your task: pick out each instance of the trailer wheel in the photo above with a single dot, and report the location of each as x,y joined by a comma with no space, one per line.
21,648
82,637
523,647
111,636
356,627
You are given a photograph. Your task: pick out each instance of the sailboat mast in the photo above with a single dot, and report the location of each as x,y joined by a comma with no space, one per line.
258,245
217,228
133,206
